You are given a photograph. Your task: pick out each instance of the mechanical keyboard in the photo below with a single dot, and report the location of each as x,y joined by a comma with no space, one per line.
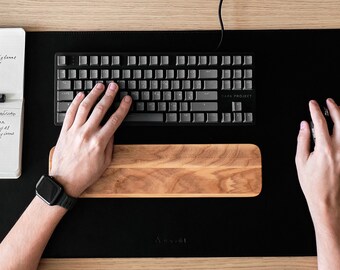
167,88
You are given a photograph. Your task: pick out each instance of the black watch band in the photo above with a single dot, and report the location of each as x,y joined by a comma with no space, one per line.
52,193
66,201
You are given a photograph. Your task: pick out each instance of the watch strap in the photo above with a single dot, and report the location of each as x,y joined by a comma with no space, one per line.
66,201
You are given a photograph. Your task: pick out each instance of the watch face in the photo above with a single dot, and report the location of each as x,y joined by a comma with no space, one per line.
48,190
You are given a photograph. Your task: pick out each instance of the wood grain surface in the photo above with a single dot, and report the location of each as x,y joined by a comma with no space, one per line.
254,263
180,170
62,15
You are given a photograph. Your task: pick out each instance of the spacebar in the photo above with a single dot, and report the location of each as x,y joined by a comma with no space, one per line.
144,117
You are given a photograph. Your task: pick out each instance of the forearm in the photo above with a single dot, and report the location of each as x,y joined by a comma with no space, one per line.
24,244
328,246
83,152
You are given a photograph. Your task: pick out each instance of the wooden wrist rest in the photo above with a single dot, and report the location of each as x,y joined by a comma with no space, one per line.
180,170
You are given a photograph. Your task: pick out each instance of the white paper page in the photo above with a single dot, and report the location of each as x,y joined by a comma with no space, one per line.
12,56
11,140
12,59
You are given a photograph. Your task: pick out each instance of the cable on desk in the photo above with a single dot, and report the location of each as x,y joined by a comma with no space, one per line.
221,23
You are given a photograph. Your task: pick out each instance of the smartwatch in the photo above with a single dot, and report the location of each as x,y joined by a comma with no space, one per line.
52,193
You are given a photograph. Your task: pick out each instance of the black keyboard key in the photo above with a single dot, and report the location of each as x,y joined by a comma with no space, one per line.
82,60
206,95
226,60
203,106
132,60
65,95
212,117
64,85
226,118
61,60
63,106
248,60
94,60
82,74
164,60
104,74
203,60
115,61
104,60
144,117
78,85
210,84
248,117
198,118
171,117
72,74
237,117
61,74
143,60
60,117
207,74
185,118
162,106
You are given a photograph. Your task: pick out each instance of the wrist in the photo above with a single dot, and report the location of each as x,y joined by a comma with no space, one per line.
70,188
43,207
49,190
326,223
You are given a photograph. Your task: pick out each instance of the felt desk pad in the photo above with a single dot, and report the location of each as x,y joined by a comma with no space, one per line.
291,67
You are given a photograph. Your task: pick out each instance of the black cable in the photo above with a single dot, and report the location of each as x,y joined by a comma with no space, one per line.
221,23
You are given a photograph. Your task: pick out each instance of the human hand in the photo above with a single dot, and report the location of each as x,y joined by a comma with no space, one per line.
84,148
319,171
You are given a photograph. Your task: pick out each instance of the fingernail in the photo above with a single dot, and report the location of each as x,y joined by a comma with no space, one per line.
303,125
99,85
331,100
127,99
112,86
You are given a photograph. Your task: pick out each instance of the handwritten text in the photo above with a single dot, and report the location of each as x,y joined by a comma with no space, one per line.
7,58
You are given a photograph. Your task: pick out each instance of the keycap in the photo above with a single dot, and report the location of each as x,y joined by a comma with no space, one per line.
63,106
93,60
61,60
82,60
144,117
207,73
203,106
65,95
206,95
63,85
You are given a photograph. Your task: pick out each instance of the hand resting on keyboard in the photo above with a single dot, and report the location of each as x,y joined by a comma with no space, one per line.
89,145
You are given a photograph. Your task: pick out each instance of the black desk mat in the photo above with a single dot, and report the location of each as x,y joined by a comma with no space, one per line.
292,66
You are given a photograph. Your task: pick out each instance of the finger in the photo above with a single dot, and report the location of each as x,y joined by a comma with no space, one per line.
320,125
303,144
115,120
334,111
88,103
72,111
102,106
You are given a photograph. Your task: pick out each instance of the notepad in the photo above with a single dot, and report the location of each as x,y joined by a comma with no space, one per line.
12,60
